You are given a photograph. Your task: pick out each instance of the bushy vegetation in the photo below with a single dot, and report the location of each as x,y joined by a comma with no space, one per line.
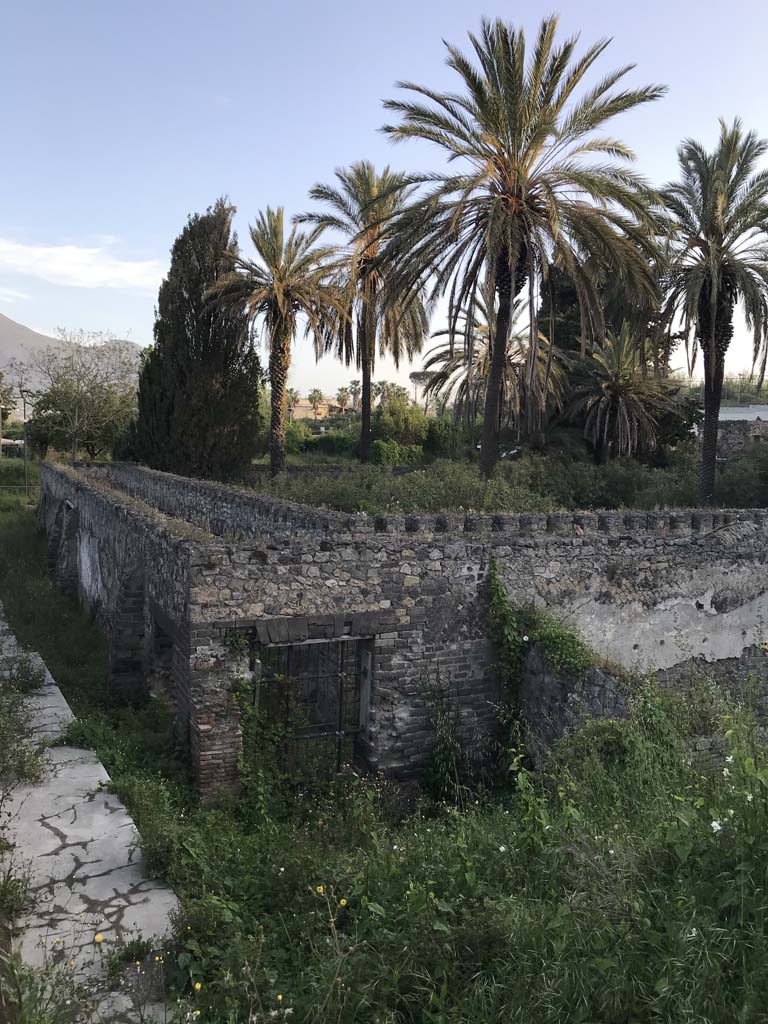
568,479
400,420
531,483
392,453
198,404
627,881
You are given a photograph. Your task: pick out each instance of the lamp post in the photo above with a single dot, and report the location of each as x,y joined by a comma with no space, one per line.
23,393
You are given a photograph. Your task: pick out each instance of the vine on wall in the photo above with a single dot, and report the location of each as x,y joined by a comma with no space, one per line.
514,629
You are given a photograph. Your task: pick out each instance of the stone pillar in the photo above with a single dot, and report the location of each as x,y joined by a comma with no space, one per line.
216,673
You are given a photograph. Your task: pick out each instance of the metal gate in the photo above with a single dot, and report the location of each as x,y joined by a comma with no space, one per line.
314,692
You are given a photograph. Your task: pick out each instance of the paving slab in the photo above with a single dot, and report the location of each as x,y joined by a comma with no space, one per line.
78,846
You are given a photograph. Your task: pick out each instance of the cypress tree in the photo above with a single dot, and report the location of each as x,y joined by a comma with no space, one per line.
199,383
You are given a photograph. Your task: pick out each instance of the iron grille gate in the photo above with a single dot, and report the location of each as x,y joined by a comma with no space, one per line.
313,691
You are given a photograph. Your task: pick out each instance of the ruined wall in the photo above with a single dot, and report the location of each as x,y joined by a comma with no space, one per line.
648,590
130,566
735,435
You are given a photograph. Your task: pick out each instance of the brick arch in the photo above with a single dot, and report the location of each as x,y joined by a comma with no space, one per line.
126,666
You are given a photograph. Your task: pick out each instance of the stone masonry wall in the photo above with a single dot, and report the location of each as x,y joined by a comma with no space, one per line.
648,590
130,566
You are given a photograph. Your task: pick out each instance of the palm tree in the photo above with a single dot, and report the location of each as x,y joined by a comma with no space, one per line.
719,256
292,399
316,399
342,399
460,375
537,184
620,403
288,283
359,206
354,393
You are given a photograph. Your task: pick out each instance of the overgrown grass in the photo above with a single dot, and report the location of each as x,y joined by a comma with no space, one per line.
628,882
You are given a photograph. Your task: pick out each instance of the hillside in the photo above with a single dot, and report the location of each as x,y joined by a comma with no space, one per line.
18,341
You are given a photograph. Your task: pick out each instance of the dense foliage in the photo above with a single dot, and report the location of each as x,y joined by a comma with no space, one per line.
286,286
560,480
521,193
359,207
718,212
199,384
85,393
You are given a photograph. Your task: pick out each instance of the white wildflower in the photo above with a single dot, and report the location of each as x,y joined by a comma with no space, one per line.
726,773
729,759
715,826
750,798
502,849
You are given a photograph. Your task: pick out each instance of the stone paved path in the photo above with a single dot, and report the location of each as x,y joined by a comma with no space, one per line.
77,843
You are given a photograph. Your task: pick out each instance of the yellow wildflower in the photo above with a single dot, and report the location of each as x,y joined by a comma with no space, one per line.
279,997
98,938
198,986
342,903
319,889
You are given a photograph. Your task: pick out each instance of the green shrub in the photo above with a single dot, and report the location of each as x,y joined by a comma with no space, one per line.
400,420
743,480
391,453
298,437
443,438
336,442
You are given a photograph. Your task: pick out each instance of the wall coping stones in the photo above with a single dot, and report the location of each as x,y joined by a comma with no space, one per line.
242,515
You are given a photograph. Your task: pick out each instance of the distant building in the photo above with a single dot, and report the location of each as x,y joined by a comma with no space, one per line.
303,410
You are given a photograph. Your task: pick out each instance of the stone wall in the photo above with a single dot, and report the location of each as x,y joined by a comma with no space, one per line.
553,703
648,590
645,589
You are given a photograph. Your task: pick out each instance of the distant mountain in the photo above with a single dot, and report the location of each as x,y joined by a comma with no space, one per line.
21,343
18,341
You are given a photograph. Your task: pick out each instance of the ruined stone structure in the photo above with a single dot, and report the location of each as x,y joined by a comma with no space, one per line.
734,435
209,585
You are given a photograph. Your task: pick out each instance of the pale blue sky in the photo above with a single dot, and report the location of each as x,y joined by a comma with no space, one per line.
117,120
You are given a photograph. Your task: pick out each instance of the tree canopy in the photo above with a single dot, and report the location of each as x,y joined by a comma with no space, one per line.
199,384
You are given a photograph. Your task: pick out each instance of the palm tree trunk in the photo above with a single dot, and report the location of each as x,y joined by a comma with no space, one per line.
714,367
365,408
717,339
489,444
507,286
366,335
279,361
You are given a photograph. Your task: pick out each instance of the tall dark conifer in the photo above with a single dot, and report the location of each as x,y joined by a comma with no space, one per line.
199,383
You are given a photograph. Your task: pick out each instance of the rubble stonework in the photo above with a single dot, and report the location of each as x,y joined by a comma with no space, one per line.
196,563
